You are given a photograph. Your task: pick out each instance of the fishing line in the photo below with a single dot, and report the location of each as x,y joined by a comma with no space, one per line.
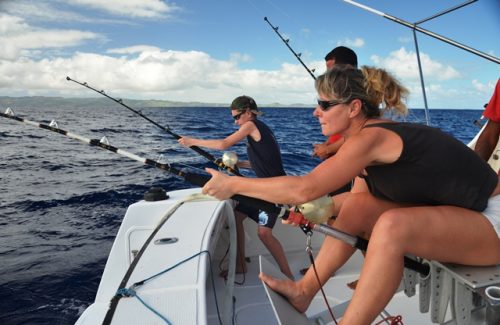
279,9
261,12
255,7
167,129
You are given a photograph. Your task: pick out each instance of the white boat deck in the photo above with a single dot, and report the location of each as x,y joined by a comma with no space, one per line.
184,294
252,306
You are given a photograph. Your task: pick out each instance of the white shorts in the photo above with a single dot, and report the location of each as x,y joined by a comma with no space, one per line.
492,212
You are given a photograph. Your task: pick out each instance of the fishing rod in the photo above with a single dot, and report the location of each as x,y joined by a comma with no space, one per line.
428,32
355,241
282,211
286,41
219,163
195,179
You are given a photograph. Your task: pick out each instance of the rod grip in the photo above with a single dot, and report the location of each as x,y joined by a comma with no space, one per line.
261,204
197,179
201,180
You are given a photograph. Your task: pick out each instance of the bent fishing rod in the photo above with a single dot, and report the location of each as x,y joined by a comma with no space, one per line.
219,163
195,179
286,41
282,211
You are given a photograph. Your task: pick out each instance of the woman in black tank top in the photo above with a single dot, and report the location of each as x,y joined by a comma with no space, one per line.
422,192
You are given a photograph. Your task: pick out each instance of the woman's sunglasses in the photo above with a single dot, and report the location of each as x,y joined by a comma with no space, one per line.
328,104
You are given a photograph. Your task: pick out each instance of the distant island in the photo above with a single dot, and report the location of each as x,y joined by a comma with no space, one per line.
42,102
103,102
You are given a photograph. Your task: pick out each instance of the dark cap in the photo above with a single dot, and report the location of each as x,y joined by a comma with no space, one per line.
242,103
343,55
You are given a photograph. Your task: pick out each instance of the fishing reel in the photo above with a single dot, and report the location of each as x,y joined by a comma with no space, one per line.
317,211
230,158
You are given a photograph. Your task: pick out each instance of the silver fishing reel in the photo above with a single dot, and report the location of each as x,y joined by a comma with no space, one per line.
230,158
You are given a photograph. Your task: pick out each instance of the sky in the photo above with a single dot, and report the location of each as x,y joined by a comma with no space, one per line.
213,51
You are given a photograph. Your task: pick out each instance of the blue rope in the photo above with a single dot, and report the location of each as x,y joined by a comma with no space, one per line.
129,292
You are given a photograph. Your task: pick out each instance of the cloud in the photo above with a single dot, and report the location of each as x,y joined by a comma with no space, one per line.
357,42
403,39
157,74
17,36
442,81
45,11
305,32
404,65
487,88
132,8
40,10
239,57
35,61
67,10
134,49
11,24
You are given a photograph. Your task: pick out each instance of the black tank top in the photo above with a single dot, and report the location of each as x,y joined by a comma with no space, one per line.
264,155
434,169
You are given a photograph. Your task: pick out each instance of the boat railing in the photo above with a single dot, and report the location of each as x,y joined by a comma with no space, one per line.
416,28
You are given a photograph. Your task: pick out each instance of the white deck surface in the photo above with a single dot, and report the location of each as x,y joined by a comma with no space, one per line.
253,307
185,294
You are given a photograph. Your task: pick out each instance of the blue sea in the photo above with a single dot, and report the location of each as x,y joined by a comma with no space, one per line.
61,201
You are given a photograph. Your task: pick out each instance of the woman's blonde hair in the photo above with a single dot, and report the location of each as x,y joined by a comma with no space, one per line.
377,89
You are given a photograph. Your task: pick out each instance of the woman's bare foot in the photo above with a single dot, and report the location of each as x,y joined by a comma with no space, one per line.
290,290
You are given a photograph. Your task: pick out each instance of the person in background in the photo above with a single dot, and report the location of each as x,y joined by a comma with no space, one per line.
265,159
428,194
488,139
339,55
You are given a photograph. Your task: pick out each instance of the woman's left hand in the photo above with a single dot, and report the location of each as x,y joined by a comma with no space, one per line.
218,186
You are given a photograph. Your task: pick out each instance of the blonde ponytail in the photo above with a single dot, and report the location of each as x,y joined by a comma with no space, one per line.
383,89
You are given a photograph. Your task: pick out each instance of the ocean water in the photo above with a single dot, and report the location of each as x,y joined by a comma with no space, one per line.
61,201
